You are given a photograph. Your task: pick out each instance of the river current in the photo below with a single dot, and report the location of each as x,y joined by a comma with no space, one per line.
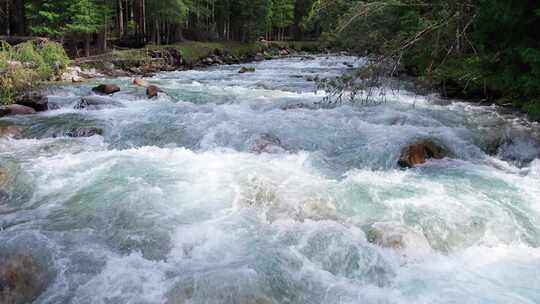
239,188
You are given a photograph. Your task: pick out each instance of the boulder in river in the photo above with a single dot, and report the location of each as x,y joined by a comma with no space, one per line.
11,132
246,70
106,89
419,152
15,109
152,91
97,103
22,279
33,100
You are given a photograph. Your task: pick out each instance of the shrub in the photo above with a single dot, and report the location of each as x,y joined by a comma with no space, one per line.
25,65
54,56
533,110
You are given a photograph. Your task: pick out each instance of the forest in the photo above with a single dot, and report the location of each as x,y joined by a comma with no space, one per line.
133,23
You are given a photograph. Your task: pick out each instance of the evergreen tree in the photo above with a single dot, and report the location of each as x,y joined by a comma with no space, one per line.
282,15
47,17
86,17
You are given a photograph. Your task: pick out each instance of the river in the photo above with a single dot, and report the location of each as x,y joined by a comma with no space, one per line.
238,188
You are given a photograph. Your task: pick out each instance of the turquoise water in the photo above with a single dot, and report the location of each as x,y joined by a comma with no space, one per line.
174,203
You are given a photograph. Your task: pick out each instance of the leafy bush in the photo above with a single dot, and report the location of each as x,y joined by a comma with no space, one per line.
54,55
25,65
533,110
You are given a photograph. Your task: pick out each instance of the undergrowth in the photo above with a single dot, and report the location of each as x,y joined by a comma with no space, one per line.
24,66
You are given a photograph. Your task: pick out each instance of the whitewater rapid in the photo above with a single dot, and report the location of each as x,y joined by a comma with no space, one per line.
239,188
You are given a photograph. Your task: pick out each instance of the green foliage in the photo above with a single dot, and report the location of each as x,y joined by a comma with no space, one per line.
282,13
256,16
481,48
84,17
533,110
54,55
25,65
56,18
171,11
47,17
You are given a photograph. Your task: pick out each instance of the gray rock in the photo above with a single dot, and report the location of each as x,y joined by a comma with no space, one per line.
83,132
92,103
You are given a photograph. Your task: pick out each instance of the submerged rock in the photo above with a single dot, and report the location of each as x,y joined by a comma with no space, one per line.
22,279
16,109
36,101
11,132
400,238
106,89
152,91
418,153
3,177
97,103
84,132
293,106
140,82
266,143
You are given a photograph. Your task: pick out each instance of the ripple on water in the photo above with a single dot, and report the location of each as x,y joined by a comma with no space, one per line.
172,204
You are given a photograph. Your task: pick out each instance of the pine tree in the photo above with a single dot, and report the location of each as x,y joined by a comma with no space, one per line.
282,15
46,17
85,18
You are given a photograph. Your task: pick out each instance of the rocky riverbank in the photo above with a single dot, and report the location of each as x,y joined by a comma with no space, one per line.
186,56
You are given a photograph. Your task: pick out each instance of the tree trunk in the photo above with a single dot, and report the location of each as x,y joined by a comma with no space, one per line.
158,32
87,45
143,20
120,18
8,19
18,20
